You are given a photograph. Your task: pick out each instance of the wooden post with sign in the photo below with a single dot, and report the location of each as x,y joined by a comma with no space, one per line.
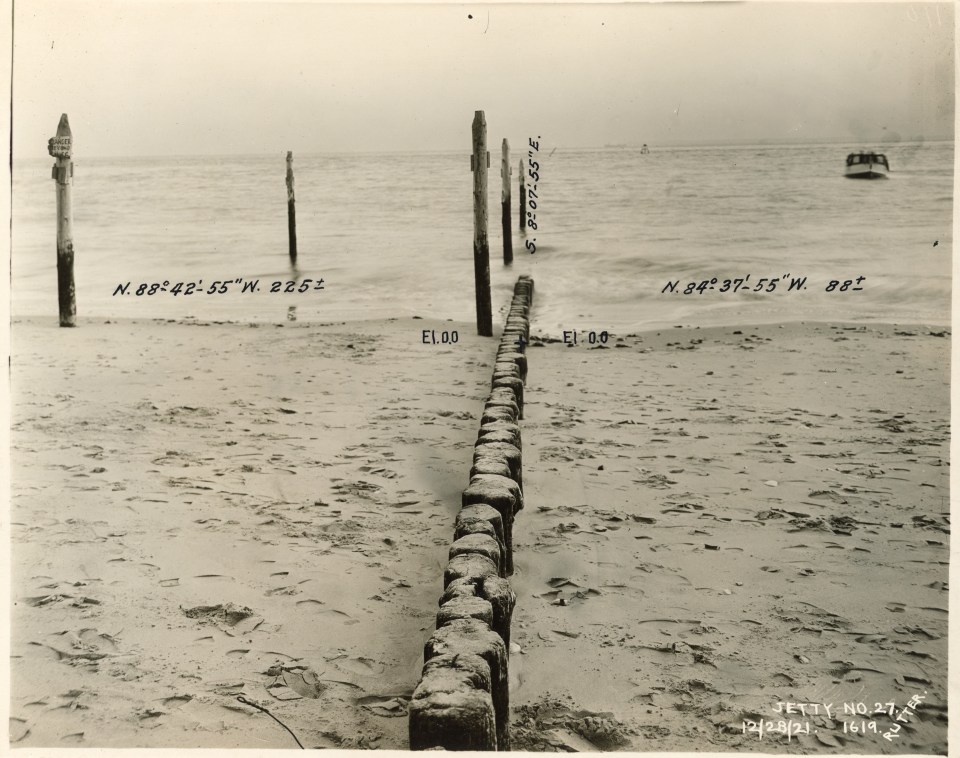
523,199
505,203
61,148
479,162
291,211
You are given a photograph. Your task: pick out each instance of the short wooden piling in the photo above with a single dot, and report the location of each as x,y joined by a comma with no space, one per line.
523,199
291,210
479,162
452,707
472,637
505,203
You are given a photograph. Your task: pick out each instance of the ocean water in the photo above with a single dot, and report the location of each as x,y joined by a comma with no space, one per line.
391,236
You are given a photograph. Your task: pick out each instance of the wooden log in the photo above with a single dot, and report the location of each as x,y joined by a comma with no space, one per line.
499,481
477,526
480,513
452,707
465,607
505,203
472,566
479,162
503,396
505,368
493,589
487,448
61,148
493,466
496,590
503,495
479,544
473,637
291,211
523,199
498,413
506,426
499,436
513,383
516,357
462,587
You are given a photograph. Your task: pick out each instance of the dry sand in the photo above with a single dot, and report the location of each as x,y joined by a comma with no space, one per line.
205,511
734,518
171,478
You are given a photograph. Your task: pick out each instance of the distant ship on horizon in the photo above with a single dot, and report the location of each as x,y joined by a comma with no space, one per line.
624,146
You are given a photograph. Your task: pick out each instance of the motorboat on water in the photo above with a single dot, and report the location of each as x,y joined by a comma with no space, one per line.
644,150
867,165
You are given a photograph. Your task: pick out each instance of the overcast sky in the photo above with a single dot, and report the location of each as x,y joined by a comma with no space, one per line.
159,78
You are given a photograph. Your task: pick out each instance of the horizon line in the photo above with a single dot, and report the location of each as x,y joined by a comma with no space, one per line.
466,149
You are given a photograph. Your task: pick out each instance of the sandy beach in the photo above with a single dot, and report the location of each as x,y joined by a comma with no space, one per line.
204,511
717,521
735,518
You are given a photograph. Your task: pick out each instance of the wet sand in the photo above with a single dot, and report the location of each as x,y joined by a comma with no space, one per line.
716,521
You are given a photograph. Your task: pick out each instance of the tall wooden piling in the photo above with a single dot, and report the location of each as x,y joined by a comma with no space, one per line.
479,162
505,203
61,148
523,199
291,211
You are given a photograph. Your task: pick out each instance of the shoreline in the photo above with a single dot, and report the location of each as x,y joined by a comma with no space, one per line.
201,513
464,327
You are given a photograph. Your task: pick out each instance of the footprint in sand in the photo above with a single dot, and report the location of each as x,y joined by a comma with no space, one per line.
149,715
553,724
96,640
83,658
332,612
215,576
177,700
286,590
304,681
18,729
389,706
228,614
359,665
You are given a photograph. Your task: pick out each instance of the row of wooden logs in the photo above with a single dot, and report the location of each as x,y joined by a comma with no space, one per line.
463,701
